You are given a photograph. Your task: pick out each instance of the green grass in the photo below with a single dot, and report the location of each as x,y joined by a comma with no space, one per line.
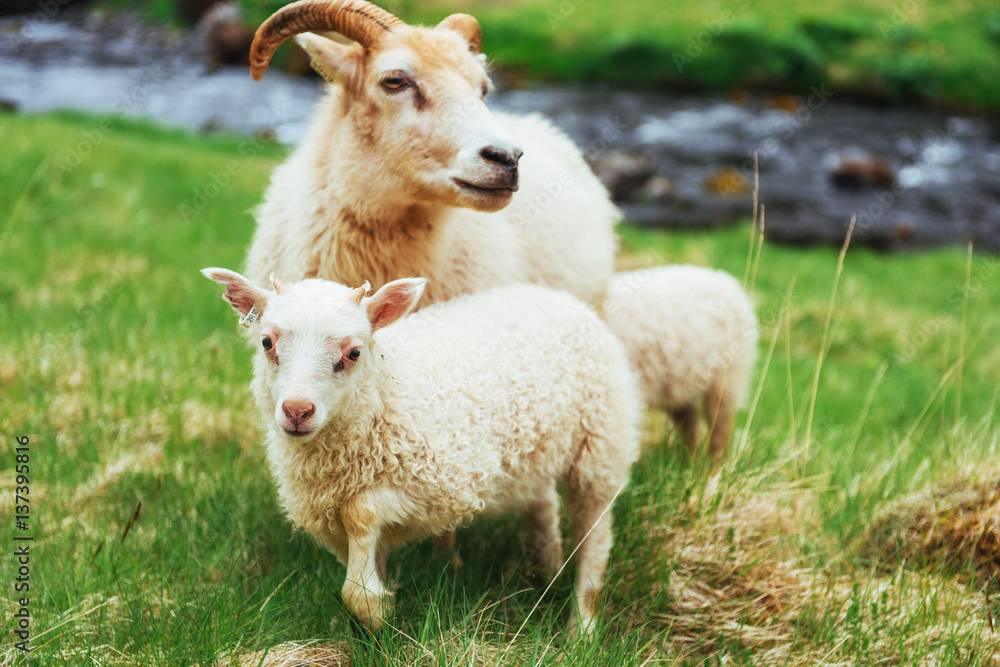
932,51
123,366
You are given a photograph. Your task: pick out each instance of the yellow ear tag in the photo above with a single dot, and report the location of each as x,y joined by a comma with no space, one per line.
321,69
250,317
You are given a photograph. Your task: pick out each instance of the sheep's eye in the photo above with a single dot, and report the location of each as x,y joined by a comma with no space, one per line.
485,91
354,354
394,82
266,343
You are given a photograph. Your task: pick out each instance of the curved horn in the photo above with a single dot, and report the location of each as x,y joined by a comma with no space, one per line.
359,293
468,27
358,20
279,285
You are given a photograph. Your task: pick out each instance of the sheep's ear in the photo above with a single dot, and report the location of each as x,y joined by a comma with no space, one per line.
394,300
246,298
466,26
331,60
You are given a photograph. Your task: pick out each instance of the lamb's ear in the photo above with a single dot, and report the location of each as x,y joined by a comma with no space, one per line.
246,298
331,60
394,300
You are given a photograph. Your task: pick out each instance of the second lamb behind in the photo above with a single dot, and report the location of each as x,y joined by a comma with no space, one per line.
691,333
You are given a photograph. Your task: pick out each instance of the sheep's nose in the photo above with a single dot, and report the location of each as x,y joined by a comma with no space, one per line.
298,411
505,158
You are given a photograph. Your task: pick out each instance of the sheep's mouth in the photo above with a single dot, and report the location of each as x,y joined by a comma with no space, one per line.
503,190
297,433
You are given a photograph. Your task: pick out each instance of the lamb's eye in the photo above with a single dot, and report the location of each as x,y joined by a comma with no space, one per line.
394,82
354,354
266,343
485,91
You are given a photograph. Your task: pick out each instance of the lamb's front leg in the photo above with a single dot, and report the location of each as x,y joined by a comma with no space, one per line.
335,543
363,591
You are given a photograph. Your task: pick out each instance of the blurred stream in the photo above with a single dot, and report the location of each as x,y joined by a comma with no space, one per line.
678,160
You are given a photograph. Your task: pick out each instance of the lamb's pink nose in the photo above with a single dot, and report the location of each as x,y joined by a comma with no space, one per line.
298,411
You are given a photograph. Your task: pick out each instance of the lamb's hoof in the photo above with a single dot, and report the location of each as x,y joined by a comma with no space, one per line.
580,627
371,610
583,623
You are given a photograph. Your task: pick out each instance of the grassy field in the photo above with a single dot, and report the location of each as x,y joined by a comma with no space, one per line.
863,534
937,51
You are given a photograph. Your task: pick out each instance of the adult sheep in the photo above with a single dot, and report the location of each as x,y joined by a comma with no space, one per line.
404,171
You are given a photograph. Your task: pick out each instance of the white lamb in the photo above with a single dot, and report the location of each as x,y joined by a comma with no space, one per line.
691,334
379,436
